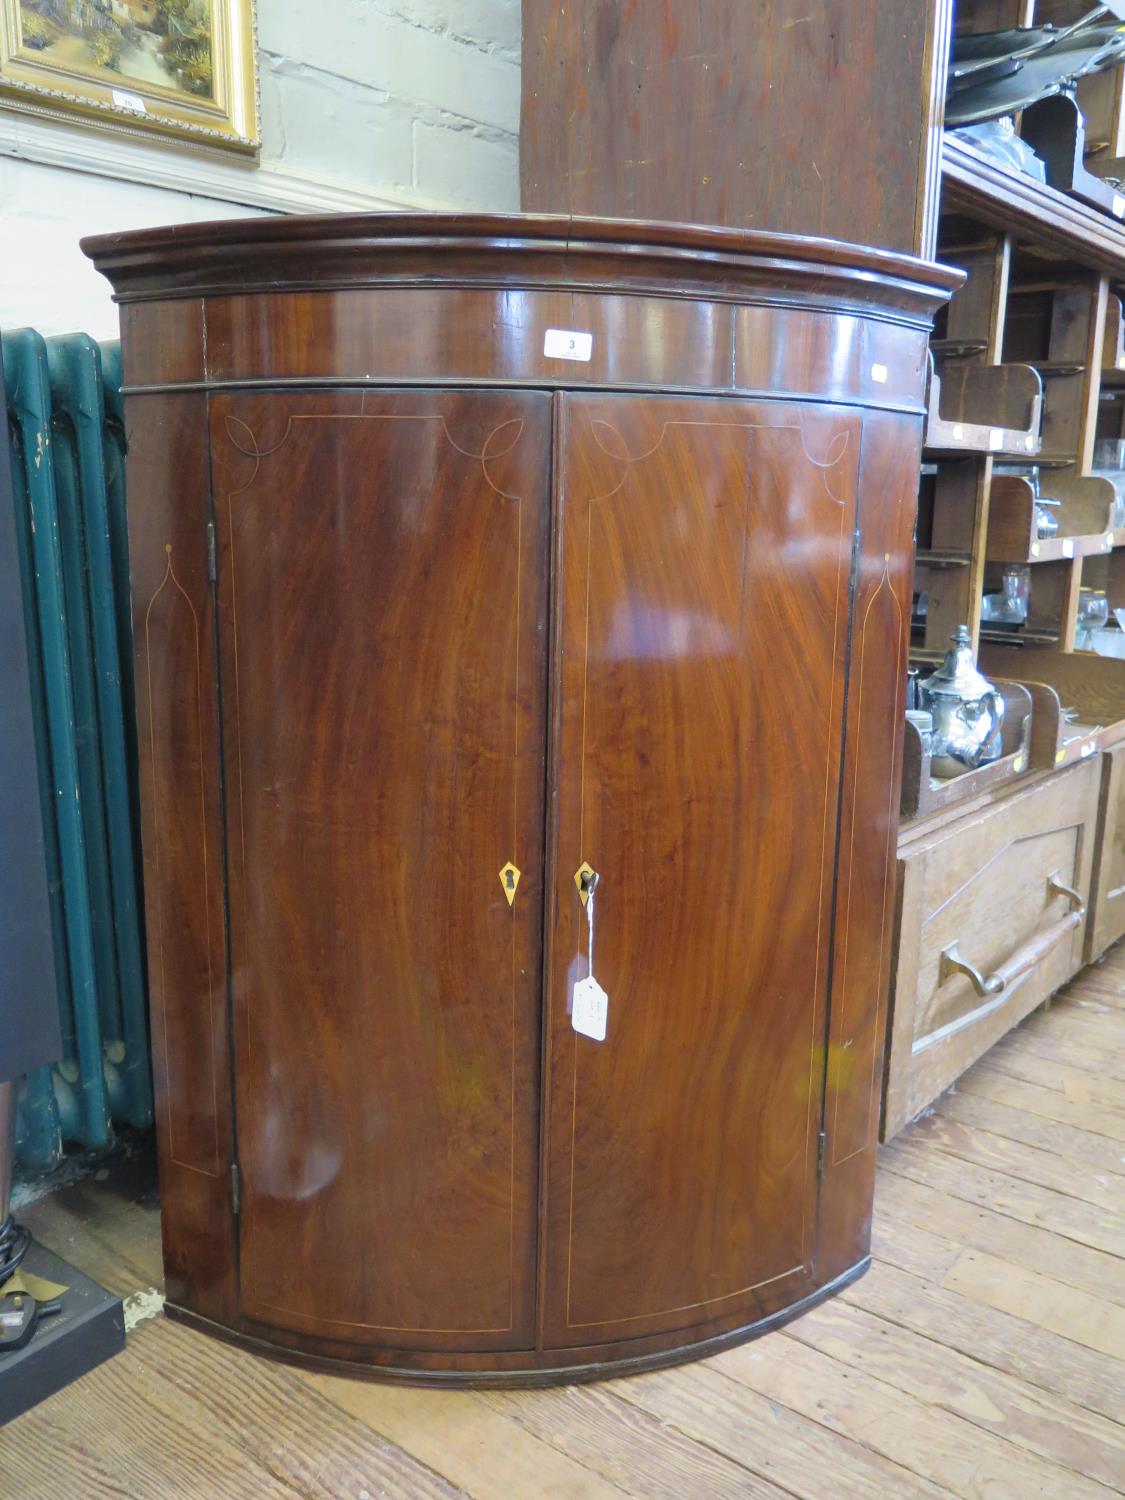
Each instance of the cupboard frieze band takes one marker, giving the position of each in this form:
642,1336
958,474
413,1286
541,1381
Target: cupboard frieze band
620,342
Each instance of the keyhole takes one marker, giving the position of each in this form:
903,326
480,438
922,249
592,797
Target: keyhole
509,880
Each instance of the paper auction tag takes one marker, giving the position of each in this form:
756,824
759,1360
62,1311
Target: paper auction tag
567,343
589,1009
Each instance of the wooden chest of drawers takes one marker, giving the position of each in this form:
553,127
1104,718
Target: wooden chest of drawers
1001,892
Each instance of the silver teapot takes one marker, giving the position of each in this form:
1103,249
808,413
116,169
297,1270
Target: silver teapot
1046,524
967,710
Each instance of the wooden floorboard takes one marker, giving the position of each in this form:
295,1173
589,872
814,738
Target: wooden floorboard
1009,1407
1022,1160
902,1236
983,1356
1016,1198
912,1432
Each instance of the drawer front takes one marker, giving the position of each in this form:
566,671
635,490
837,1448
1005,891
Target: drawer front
986,931
1107,897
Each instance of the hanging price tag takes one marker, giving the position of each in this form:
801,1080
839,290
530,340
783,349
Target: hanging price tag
589,1009
589,1003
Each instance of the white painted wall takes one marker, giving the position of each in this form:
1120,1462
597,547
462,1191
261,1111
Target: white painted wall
419,94
45,280
365,104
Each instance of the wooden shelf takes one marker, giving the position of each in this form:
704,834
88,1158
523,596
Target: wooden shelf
1055,129
1084,515
1009,201
957,348
984,409
1057,740
1064,548
1056,367
1028,316
1113,342
937,557
1020,636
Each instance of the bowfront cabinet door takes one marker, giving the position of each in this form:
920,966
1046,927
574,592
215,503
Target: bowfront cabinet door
382,603
704,558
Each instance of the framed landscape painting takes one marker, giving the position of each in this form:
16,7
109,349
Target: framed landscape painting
183,68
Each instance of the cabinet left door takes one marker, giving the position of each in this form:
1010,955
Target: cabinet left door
382,594
182,835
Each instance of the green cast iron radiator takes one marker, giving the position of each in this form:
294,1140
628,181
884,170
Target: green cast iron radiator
68,445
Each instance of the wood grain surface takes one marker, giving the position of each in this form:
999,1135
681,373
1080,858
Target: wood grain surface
698,773
394,1150
966,1363
1107,893
981,885
383,665
517,251
861,958
658,112
182,838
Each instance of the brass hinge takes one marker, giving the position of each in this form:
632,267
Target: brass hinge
235,1188
212,568
821,1153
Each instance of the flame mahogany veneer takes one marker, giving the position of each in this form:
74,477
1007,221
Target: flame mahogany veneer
414,602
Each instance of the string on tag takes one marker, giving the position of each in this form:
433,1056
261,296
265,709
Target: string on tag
590,889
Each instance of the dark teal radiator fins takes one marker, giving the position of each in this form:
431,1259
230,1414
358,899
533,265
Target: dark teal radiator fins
68,443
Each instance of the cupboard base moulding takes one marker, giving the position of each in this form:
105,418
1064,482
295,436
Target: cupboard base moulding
526,1369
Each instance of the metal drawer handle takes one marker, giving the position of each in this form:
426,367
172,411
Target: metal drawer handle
1077,905
1024,959
953,963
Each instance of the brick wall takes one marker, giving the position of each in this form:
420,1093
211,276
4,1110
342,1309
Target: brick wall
417,94
396,101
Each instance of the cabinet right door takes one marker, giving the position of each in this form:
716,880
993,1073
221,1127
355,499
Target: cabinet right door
701,632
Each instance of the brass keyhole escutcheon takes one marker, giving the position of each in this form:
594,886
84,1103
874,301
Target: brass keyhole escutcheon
510,879
583,878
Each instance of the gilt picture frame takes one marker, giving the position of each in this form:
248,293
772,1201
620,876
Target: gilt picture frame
185,70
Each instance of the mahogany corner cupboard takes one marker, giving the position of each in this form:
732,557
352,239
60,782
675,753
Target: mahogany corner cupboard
508,590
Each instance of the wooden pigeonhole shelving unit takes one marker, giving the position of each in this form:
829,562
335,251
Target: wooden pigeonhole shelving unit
1018,870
